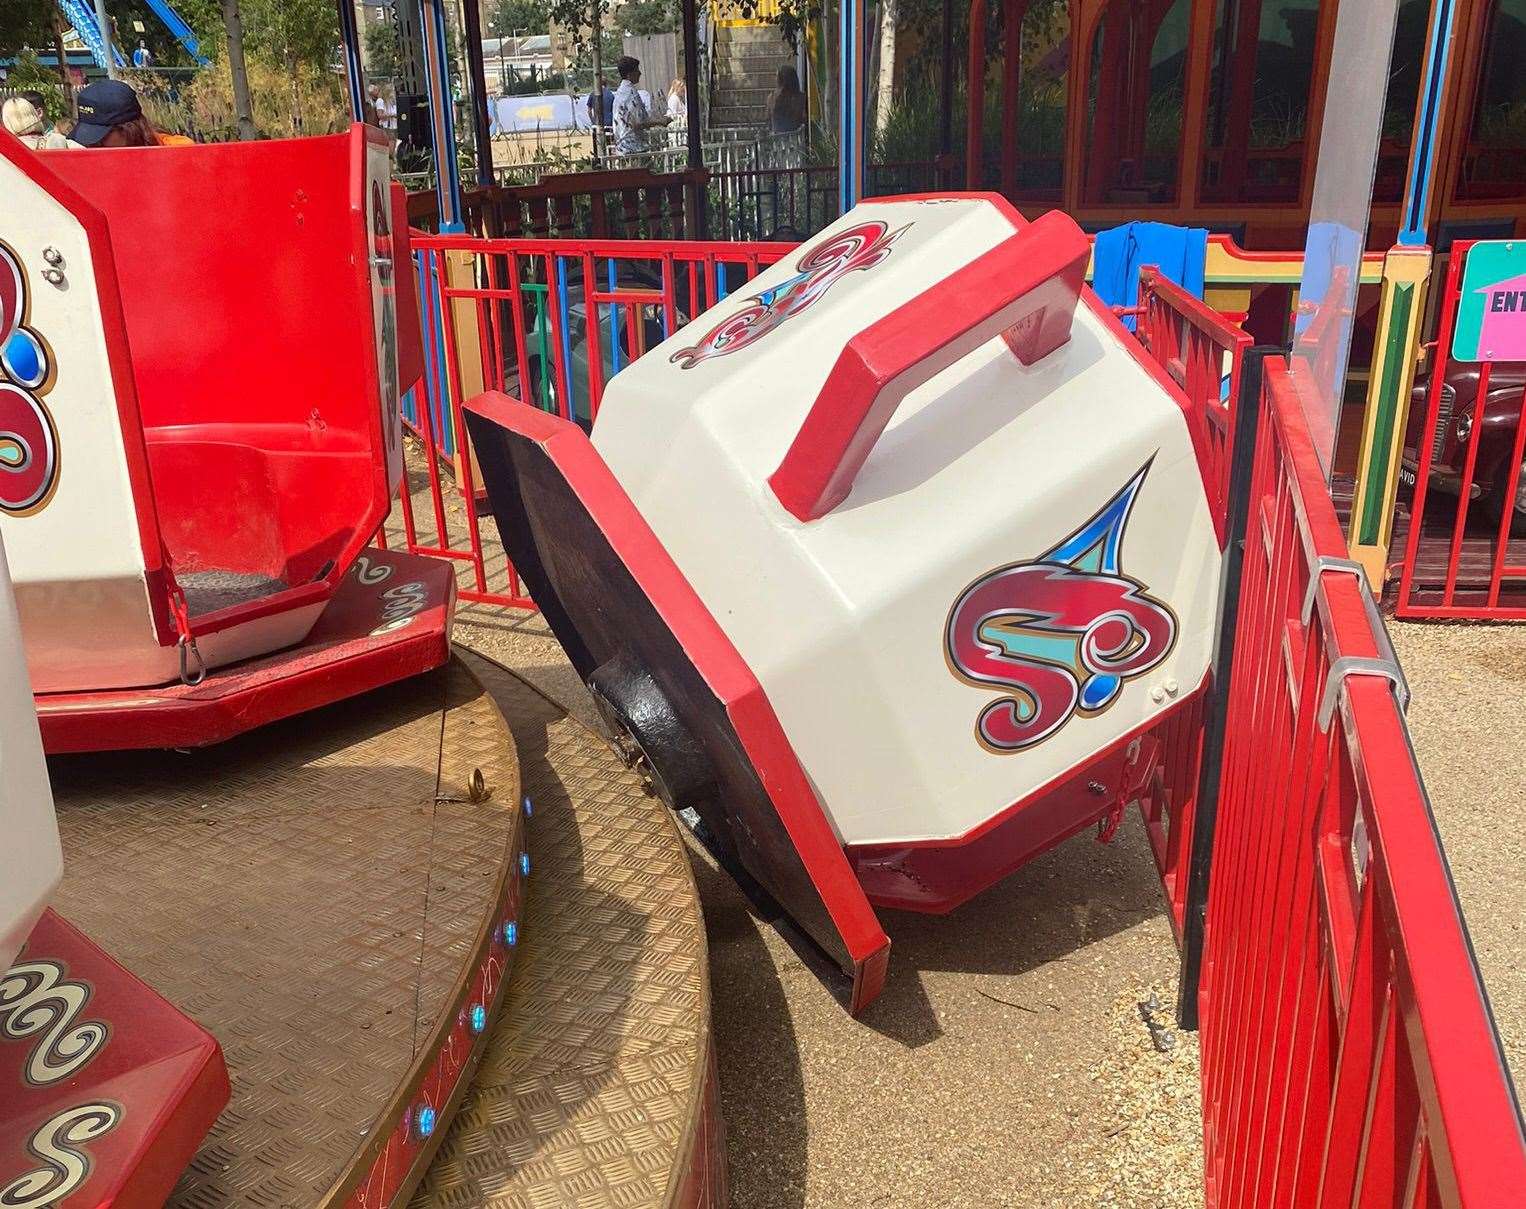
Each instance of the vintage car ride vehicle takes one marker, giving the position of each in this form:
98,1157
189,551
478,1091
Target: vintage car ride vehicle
1449,439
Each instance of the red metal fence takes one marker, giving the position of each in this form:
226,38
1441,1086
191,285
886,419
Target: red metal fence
1349,1056
1465,553
1203,353
548,321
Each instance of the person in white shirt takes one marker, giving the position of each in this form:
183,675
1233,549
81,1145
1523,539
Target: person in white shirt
632,118
678,111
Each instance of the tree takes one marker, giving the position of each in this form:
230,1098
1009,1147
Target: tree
647,16
384,57
243,106
26,25
510,18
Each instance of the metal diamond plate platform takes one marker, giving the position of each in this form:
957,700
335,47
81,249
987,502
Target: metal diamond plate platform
320,895
597,1087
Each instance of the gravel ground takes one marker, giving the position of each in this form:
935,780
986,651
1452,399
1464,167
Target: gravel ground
1469,730
1008,1062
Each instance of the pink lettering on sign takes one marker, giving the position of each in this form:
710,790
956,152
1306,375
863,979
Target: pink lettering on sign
1502,336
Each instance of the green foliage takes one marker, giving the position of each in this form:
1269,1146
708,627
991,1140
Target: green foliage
28,73
648,16
383,54
25,23
574,18
302,32
524,86
611,47
506,18
287,100
1502,125
293,32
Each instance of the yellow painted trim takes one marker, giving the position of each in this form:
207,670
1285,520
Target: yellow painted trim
1228,264
460,271
727,14
1378,461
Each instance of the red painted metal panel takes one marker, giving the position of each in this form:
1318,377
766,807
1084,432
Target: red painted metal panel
1349,1057
390,619
108,1089
1201,352
246,294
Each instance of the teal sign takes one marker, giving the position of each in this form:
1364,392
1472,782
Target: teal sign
1491,314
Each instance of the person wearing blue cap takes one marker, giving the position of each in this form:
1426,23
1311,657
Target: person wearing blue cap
111,116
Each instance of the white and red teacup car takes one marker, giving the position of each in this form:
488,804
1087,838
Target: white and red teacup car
889,567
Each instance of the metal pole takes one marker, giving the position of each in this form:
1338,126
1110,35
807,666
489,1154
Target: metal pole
1422,153
850,105
472,15
102,20
442,124
355,76
1216,714
699,192
946,86
597,91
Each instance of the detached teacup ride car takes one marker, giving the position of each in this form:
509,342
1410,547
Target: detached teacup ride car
892,570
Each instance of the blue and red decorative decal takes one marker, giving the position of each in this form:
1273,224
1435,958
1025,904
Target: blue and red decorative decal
1058,635
28,440
860,247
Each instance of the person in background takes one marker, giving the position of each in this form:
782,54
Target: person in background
386,113
678,111
603,91
142,58
786,104
632,118
111,116
24,119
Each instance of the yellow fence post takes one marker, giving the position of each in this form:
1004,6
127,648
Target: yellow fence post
460,271
1401,309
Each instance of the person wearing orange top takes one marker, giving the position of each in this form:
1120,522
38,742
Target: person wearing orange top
110,115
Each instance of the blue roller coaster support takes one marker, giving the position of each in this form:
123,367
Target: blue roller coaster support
177,26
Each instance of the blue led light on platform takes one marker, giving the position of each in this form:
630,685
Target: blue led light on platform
511,933
426,1121
479,1017
529,809
524,864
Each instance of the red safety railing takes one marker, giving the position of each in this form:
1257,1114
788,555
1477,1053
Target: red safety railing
1202,351
1349,1055
1465,553
548,321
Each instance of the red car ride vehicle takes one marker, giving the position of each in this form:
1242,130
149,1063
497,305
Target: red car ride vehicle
1460,410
